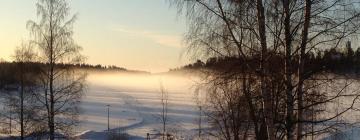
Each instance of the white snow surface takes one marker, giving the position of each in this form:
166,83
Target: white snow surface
135,105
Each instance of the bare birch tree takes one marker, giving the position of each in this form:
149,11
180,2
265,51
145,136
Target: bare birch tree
24,55
62,86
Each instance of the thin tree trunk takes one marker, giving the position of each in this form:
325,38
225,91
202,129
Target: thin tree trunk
51,82
52,102
266,95
246,85
288,73
301,68
51,88
22,102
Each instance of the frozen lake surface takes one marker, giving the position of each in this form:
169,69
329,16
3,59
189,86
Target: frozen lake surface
135,104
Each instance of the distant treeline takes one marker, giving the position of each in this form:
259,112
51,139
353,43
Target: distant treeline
10,70
334,60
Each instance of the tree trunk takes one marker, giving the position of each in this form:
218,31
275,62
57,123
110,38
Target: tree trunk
301,68
288,73
266,95
22,101
51,81
52,114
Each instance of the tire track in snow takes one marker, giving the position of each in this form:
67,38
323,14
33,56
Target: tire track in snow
131,103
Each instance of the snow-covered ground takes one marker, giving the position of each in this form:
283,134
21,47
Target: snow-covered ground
135,105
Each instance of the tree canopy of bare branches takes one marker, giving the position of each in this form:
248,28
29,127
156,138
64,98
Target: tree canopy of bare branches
61,87
273,41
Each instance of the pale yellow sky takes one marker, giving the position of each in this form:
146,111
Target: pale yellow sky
135,34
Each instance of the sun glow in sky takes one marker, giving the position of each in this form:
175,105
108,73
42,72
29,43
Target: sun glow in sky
135,34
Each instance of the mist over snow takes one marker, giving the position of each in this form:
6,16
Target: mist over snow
143,82
134,101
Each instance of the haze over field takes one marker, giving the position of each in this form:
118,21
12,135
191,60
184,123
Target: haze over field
144,82
135,105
